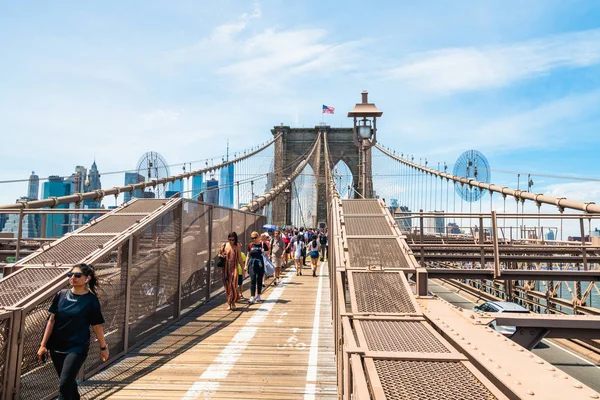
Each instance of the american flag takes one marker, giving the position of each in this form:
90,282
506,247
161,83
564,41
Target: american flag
328,110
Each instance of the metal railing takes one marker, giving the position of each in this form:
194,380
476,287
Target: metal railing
151,275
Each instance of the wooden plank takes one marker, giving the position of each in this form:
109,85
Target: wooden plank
271,364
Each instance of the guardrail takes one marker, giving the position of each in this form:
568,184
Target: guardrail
150,277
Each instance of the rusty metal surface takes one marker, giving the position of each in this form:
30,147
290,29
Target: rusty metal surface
143,206
370,206
382,292
385,253
37,380
515,368
428,380
113,224
375,225
72,250
4,344
23,283
400,336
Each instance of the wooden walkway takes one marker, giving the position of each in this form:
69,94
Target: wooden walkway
279,349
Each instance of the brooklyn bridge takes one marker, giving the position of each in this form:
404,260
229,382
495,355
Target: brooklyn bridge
398,307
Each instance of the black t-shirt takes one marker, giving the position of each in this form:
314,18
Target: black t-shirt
73,316
255,251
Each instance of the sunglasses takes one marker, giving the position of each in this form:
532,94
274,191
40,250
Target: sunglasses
75,274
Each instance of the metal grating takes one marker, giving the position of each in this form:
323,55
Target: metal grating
112,293
401,336
70,251
194,255
38,381
361,207
381,292
375,225
385,253
4,330
25,282
113,224
429,380
143,206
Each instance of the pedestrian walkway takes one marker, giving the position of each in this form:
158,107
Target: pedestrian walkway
279,349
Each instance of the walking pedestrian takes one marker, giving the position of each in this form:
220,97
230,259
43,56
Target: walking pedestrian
313,247
255,266
67,333
276,254
299,249
232,251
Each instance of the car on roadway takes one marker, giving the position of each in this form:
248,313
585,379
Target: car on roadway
501,307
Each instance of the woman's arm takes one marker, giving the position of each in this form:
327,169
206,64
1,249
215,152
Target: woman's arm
102,341
47,332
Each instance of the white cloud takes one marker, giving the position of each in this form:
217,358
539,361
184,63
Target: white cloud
249,56
472,68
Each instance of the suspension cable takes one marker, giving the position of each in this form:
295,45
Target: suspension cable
562,203
99,194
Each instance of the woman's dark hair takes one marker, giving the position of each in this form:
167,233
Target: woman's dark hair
88,271
300,237
233,236
314,241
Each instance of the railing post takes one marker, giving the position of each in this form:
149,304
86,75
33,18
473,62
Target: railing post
210,262
497,270
15,354
19,235
44,223
422,282
481,242
583,246
422,239
179,260
128,294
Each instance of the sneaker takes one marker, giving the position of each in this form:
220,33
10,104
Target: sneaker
276,281
258,299
251,301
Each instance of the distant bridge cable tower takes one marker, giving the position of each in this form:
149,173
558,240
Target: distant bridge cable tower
153,166
471,164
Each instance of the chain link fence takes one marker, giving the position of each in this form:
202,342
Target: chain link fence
153,272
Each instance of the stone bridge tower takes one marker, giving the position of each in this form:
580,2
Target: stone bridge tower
290,150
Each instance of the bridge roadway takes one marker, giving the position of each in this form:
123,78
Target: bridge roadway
576,366
281,348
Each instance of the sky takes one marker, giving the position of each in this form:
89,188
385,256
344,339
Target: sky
107,81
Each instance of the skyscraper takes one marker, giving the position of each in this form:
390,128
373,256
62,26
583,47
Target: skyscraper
226,189
77,180
56,224
30,224
91,184
34,186
131,178
211,194
197,187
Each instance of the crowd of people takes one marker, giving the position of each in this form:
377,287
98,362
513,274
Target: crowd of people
76,311
279,247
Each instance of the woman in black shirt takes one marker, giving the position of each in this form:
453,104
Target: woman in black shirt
255,265
67,333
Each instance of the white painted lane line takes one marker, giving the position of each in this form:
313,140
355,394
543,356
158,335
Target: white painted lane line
313,358
570,352
208,383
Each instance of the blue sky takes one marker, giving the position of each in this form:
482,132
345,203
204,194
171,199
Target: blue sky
519,81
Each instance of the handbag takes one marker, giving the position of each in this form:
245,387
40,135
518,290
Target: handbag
221,258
